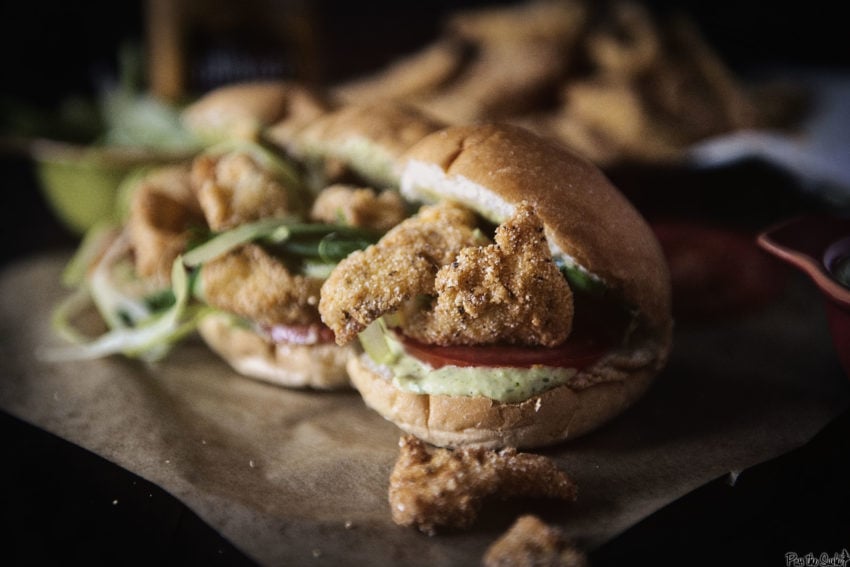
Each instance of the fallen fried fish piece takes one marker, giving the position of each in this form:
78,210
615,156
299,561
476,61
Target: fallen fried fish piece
532,543
434,488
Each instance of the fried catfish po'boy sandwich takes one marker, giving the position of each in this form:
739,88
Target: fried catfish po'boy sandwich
527,302
236,244
275,287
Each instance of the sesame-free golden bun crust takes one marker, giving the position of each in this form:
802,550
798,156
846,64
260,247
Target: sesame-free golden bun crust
244,110
554,416
492,168
370,138
584,214
320,366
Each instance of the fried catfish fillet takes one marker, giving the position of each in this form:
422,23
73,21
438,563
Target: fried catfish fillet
162,212
433,488
402,265
234,189
251,283
362,207
508,292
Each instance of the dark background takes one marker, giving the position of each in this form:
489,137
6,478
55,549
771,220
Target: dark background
52,494
50,49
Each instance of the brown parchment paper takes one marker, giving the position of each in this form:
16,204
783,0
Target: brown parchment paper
301,477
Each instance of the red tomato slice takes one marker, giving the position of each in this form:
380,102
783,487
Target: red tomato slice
574,353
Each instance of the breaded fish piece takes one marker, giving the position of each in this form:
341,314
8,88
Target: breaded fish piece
163,210
358,206
502,81
508,292
433,488
251,283
408,76
531,543
402,265
234,189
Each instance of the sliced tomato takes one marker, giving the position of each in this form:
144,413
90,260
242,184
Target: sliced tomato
574,353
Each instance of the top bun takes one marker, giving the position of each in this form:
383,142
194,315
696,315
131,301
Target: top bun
491,168
368,138
243,110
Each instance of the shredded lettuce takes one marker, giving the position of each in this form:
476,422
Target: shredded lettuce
145,323
374,342
117,307
142,120
150,338
325,243
317,269
580,279
274,230
94,242
72,306
336,246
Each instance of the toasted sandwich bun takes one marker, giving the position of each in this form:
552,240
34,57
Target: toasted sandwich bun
556,415
319,366
491,168
368,138
378,137
245,110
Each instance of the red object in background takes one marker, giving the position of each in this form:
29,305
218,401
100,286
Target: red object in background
813,244
716,271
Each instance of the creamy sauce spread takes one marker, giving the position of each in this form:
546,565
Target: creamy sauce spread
497,383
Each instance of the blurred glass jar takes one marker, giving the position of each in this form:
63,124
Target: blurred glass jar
80,183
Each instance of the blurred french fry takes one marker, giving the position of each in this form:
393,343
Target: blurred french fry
410,76
626,42
655,89
615,80
551,21
502,81
489,63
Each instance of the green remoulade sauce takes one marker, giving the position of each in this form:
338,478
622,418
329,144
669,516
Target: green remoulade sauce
503,384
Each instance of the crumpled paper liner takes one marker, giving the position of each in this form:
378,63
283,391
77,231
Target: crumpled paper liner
295,477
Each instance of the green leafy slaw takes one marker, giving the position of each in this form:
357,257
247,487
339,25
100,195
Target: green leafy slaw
144,334
147,325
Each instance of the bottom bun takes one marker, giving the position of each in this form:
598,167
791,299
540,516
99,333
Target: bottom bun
320,366
452,421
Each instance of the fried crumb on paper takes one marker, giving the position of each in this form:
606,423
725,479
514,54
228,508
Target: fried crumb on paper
532,543
433,488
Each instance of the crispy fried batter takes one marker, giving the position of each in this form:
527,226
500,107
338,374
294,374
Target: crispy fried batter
531,543
668,88
529,21
234,189
433,488
162,211
251,283
508,292
408,76
486,64
401,266
360,207
502,81
626,42
563,68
